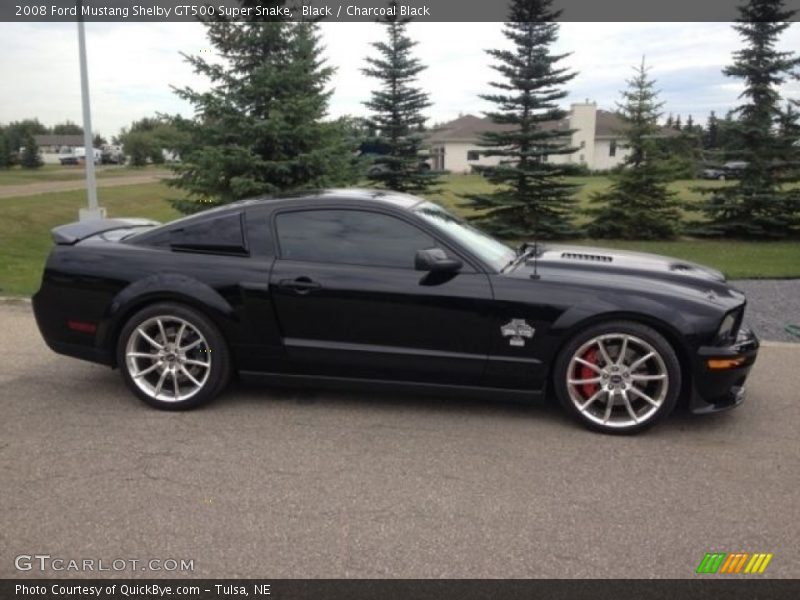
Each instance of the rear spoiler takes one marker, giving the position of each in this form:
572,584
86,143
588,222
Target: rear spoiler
80,230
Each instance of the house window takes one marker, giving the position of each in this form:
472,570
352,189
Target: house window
473,155
583,144
612,148
582,159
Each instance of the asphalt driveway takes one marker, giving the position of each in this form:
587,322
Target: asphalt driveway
273,483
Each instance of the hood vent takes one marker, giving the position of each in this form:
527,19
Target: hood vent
681,267
591,257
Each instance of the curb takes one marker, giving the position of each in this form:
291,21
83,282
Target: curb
14,300
768,344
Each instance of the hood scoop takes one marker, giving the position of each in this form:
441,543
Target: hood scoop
590,257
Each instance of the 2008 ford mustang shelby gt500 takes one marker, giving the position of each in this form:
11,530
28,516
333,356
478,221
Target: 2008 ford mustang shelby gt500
377,288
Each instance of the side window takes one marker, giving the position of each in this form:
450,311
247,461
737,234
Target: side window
350,237
221,234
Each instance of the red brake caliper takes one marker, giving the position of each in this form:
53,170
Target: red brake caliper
588,389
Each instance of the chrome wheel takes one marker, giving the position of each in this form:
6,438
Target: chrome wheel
168,358
617,380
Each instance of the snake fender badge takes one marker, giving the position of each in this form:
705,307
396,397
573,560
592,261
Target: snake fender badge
517,330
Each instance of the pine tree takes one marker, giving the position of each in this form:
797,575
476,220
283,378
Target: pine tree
711,135
259,129
397,111
638,204
678,126
758,205
30,158
532,197
789,142
5,151
689,127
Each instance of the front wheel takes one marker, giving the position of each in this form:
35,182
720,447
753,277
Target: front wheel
173,357
619,377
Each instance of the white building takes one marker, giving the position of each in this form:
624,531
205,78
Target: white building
597,139
54,147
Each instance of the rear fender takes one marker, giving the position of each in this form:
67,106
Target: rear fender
170,287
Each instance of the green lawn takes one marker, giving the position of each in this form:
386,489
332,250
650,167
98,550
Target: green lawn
25,225
19,176
456,186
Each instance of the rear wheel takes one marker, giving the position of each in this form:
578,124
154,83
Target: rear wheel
618,377
173,357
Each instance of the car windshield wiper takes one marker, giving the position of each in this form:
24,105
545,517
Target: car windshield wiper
521,254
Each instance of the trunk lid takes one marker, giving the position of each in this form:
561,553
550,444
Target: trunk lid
72,233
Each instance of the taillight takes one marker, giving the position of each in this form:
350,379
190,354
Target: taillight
82,326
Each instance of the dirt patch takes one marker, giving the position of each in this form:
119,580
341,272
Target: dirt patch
47,187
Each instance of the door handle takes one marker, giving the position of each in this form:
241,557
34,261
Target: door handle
301,285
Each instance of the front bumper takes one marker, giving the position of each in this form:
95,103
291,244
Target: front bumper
715,390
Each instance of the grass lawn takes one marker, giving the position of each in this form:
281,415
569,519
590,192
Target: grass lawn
460,185
19,176
25,225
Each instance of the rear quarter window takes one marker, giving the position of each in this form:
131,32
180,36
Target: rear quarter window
218,235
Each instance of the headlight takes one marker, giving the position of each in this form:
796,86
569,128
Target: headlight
726,328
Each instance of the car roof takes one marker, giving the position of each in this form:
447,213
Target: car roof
360,195
398,199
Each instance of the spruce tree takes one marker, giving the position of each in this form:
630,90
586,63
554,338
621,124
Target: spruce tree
711,134
532,197
5,151
638,204
30,158
260,128
758,205
789,144
397,111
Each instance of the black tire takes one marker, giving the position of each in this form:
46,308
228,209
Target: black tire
209,347
662,378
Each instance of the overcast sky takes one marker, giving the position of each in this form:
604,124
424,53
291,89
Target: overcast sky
132,65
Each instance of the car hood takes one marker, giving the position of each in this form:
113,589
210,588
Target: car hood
639,271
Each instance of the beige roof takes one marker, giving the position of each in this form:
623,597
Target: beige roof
468,128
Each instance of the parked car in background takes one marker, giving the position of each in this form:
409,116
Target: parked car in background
112,154
730,170
78,156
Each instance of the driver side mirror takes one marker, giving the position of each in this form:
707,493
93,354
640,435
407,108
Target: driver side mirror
435,260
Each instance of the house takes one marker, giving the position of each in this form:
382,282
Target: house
597,139
54,147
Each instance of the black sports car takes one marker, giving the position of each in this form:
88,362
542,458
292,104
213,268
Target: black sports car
368,287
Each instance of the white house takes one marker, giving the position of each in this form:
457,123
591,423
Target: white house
54,147
597,139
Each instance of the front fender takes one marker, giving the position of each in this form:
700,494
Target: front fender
639,308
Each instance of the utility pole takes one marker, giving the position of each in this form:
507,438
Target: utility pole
94,211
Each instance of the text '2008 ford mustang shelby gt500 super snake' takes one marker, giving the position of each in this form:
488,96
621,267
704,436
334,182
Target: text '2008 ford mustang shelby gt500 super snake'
362,287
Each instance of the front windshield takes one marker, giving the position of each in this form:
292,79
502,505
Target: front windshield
487,248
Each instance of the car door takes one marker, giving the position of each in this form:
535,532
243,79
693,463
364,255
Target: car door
349,302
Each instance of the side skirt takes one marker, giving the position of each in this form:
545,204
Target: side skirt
386,385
